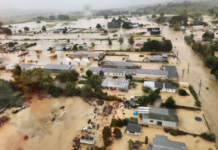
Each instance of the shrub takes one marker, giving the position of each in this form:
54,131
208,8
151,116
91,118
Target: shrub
170,103
173,132
210,137
183,92
125,121
120,123
115,77
192,91
82,82
146,89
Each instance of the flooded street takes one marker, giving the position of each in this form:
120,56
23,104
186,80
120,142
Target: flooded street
78,110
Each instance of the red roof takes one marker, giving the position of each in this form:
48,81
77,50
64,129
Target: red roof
137,44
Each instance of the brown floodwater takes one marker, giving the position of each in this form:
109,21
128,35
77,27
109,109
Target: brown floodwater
197,72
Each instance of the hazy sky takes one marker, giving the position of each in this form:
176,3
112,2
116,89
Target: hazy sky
74,5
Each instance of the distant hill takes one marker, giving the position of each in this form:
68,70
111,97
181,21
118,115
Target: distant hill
14,12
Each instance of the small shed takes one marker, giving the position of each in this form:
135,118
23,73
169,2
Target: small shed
133,128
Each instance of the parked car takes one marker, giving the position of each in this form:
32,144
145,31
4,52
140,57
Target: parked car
15,111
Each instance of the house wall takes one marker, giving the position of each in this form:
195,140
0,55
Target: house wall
136,133
87,141
164,123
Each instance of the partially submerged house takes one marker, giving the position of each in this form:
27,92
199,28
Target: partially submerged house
90,56
153,28
159,116
119,64
131,104
115,84
197,27
155,32
161,142
21,46
1,46
55,68
23,66
162,86
87,139
162,57
172,72
133,128
136,73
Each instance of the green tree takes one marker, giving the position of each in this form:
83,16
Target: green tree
106,133
75,47
93,44
170,103
120,123
69,89
43,28
98,26
89,73
105,16
210,60
86,91
153,16
177,27
125,121
146,89
94,81
120,40
19,31
214,67
101,73
117,133
130,144
26,29
131,40
109,41
68,41
16,71
65,30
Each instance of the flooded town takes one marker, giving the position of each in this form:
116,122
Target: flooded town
141,77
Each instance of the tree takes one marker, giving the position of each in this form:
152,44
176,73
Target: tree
52,17
120,40
125,121
94,81
71,76
93,44
43,29
109,41
120,123
69,89
68,41
19,31
65,30
208,34
127,25
98,26
80,47
128,76
130,144
146,89
170,103
16,71
106,135
153,16
117,133
214,67
38,21
89,73
177,27
75,47
7,31
131,40
26,29
86,91
161,14
101,73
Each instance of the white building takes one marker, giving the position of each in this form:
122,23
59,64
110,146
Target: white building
198,27
86,139
76,61
162,86
159,116
85,62
133,128
67,61
22,65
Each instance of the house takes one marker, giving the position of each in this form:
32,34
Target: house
133,120
60,47
21,46
197,27
159,116
162,57
55,68
22,65
67,61
133,128
153,28
115,84
161,142
90,56
86,139
155,32
135,25
83,46
162,86
118,64
138,45
172,72
136,73
56,31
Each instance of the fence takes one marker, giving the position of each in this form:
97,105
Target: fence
188,107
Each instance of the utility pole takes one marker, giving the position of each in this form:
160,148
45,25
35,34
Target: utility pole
188,67
200,84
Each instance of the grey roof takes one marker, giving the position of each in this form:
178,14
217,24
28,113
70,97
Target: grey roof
115,83
59,47
22,45
22,65
55,68
172,71
148,148
133,120
130,71
167,85
133,127
89,54
117,63
161,114
162,143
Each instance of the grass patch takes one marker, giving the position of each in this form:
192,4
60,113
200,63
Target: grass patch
82,82
192,91
50,25
114,31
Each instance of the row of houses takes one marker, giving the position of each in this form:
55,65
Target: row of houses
90,56
169,72
119,64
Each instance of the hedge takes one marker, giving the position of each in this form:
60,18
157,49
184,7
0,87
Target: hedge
197,102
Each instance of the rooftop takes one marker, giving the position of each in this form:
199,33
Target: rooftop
133,120
132,127
117,63
172,71
162,143
58,68
22,65
88,54
115,83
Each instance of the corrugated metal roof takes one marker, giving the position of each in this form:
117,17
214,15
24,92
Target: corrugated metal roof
58,68
172,71
115,83
22,65
133,127
117,63
162,143
88,54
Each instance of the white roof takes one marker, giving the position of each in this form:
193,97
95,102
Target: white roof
76,60
67,59
149,84
85,59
